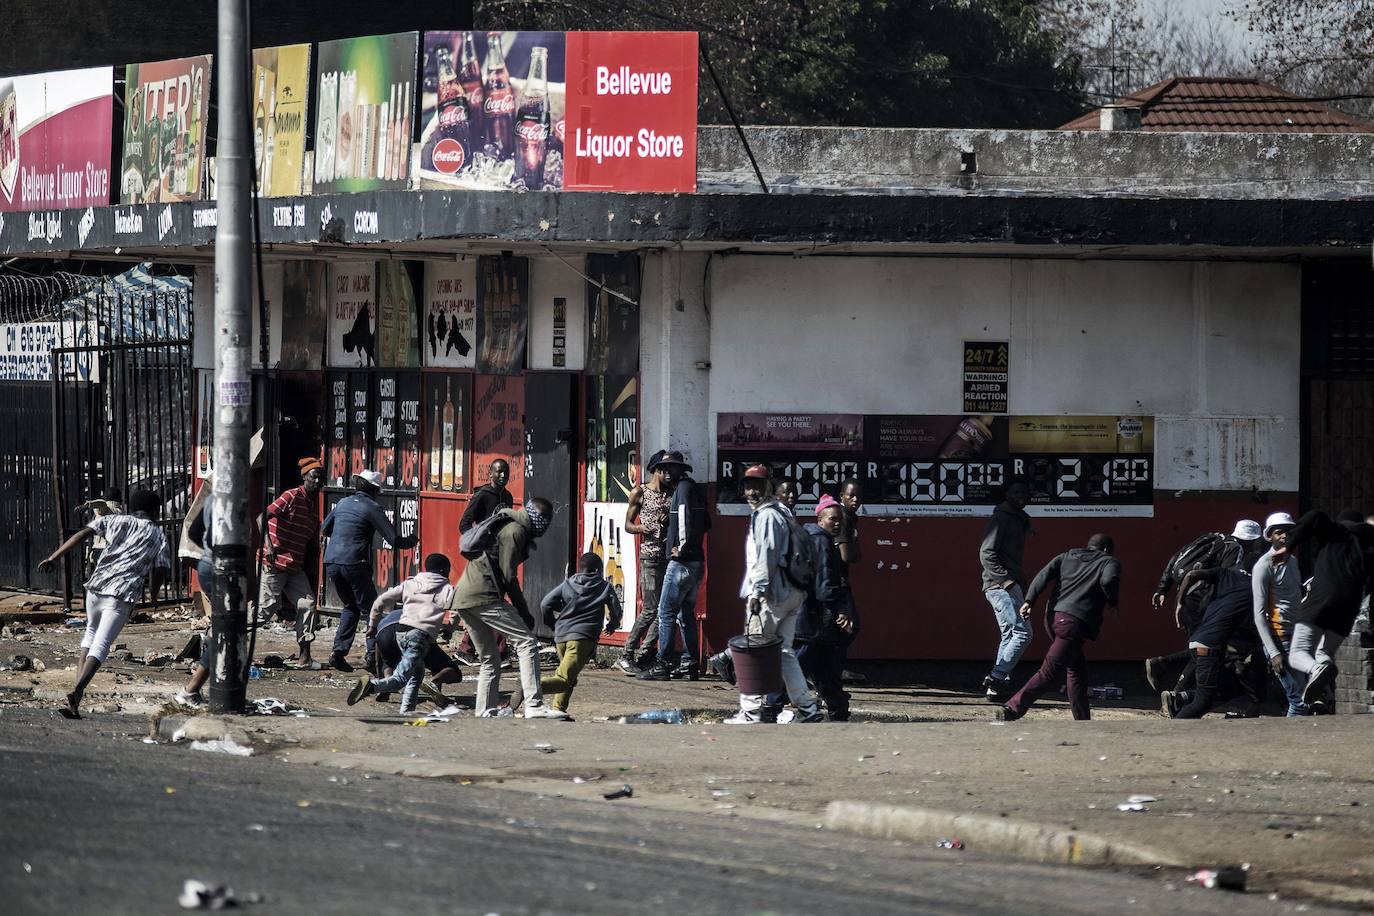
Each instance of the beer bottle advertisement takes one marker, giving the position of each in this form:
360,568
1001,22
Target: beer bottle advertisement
613,313
280,103
445,405
492,119
159,100
622,446
502,315
365,112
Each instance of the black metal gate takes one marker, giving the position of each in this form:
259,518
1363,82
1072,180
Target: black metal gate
30,528
123,399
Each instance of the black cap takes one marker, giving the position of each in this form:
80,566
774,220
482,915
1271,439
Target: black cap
662,457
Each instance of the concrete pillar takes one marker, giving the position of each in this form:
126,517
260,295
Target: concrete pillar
675,354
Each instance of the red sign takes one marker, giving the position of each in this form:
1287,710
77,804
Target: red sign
631,111
55,139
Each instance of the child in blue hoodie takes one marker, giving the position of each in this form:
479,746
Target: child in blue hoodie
576,610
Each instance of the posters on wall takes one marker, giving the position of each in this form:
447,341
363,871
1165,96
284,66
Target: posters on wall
336,438
352,301
622,446
450,325
946,465
492,111
445,403
498,428
205,422
364,105
986,376
398,344
604,534
502,291
166,117
55,139
304,311
613,313
281,94
558,308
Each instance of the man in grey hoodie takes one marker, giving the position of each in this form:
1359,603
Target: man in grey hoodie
771,599
424,598
576,611
1004,584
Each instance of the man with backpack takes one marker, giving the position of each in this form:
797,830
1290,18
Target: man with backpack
779,568
688,521
1242,547
1227,618
489,601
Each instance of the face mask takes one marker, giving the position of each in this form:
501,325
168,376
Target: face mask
538,520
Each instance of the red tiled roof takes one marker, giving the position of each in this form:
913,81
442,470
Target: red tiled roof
1209,103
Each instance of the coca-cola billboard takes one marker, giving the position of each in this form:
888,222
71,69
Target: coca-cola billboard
55,139
550,111
492,108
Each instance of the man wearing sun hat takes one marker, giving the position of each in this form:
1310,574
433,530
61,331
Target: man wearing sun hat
292,525
350,527
1276,589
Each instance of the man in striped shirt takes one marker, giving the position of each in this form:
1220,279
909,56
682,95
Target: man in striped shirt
293,524
136,548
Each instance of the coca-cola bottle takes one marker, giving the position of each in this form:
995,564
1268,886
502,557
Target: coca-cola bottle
532,123
450,147
498,103
470,75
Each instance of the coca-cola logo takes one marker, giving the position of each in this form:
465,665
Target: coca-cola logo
534,131
448,156
558,130
501,103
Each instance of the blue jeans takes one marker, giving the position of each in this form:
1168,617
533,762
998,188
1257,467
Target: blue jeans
1016,633
677,607
1292,684
357,591
414,646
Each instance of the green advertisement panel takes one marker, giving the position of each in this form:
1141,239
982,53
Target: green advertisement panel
365,111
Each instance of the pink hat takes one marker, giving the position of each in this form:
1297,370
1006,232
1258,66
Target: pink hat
825,502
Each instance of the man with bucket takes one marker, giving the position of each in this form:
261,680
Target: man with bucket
772,600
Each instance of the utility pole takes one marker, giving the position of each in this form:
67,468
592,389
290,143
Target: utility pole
233,386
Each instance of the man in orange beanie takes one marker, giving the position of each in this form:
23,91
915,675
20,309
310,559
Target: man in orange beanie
293,524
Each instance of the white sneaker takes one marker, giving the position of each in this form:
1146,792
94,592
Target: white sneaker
543,711
188,700
743,718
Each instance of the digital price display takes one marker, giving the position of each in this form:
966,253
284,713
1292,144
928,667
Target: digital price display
945,465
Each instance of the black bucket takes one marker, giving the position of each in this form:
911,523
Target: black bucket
758,663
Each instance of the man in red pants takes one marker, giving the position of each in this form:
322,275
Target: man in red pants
1085,581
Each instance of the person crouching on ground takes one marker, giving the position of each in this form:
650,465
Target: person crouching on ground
1086,581
424,598
135,548
577,612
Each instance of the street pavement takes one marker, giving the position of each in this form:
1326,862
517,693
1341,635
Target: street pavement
1289,797
95,821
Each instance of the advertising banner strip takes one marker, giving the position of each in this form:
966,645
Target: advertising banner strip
946,465
55,139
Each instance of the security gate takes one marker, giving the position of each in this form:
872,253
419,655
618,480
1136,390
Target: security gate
123,395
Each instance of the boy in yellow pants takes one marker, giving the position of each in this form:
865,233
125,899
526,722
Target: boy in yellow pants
576,611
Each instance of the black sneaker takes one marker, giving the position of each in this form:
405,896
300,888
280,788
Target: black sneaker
1322,676
722,665
998,689
1006,714
465,658
687,670
337,661
659,672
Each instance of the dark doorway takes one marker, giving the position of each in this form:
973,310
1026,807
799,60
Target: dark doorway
550,409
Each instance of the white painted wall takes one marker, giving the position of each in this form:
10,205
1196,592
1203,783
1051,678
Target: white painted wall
674,336
552,278
1210,349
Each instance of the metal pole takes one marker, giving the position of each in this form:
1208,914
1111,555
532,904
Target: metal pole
233,386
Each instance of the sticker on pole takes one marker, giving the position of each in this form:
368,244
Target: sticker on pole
235,393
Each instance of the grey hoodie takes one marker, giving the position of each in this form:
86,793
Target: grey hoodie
576,609
424,600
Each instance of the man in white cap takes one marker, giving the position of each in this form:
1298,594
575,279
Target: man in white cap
1276,587
1210,551
350,527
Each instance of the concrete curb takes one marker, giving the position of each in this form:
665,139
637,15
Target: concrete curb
996,835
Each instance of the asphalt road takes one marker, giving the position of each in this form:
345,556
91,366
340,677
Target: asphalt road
95,821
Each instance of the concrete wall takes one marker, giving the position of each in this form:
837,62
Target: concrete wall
1210,349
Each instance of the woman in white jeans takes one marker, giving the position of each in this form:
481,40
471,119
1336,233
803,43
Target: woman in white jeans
136,548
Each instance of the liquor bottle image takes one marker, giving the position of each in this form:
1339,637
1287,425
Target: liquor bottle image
195,142
970,438
1130,435
260,122
436,448
612,566
597,547
618,576
269,146
448,425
